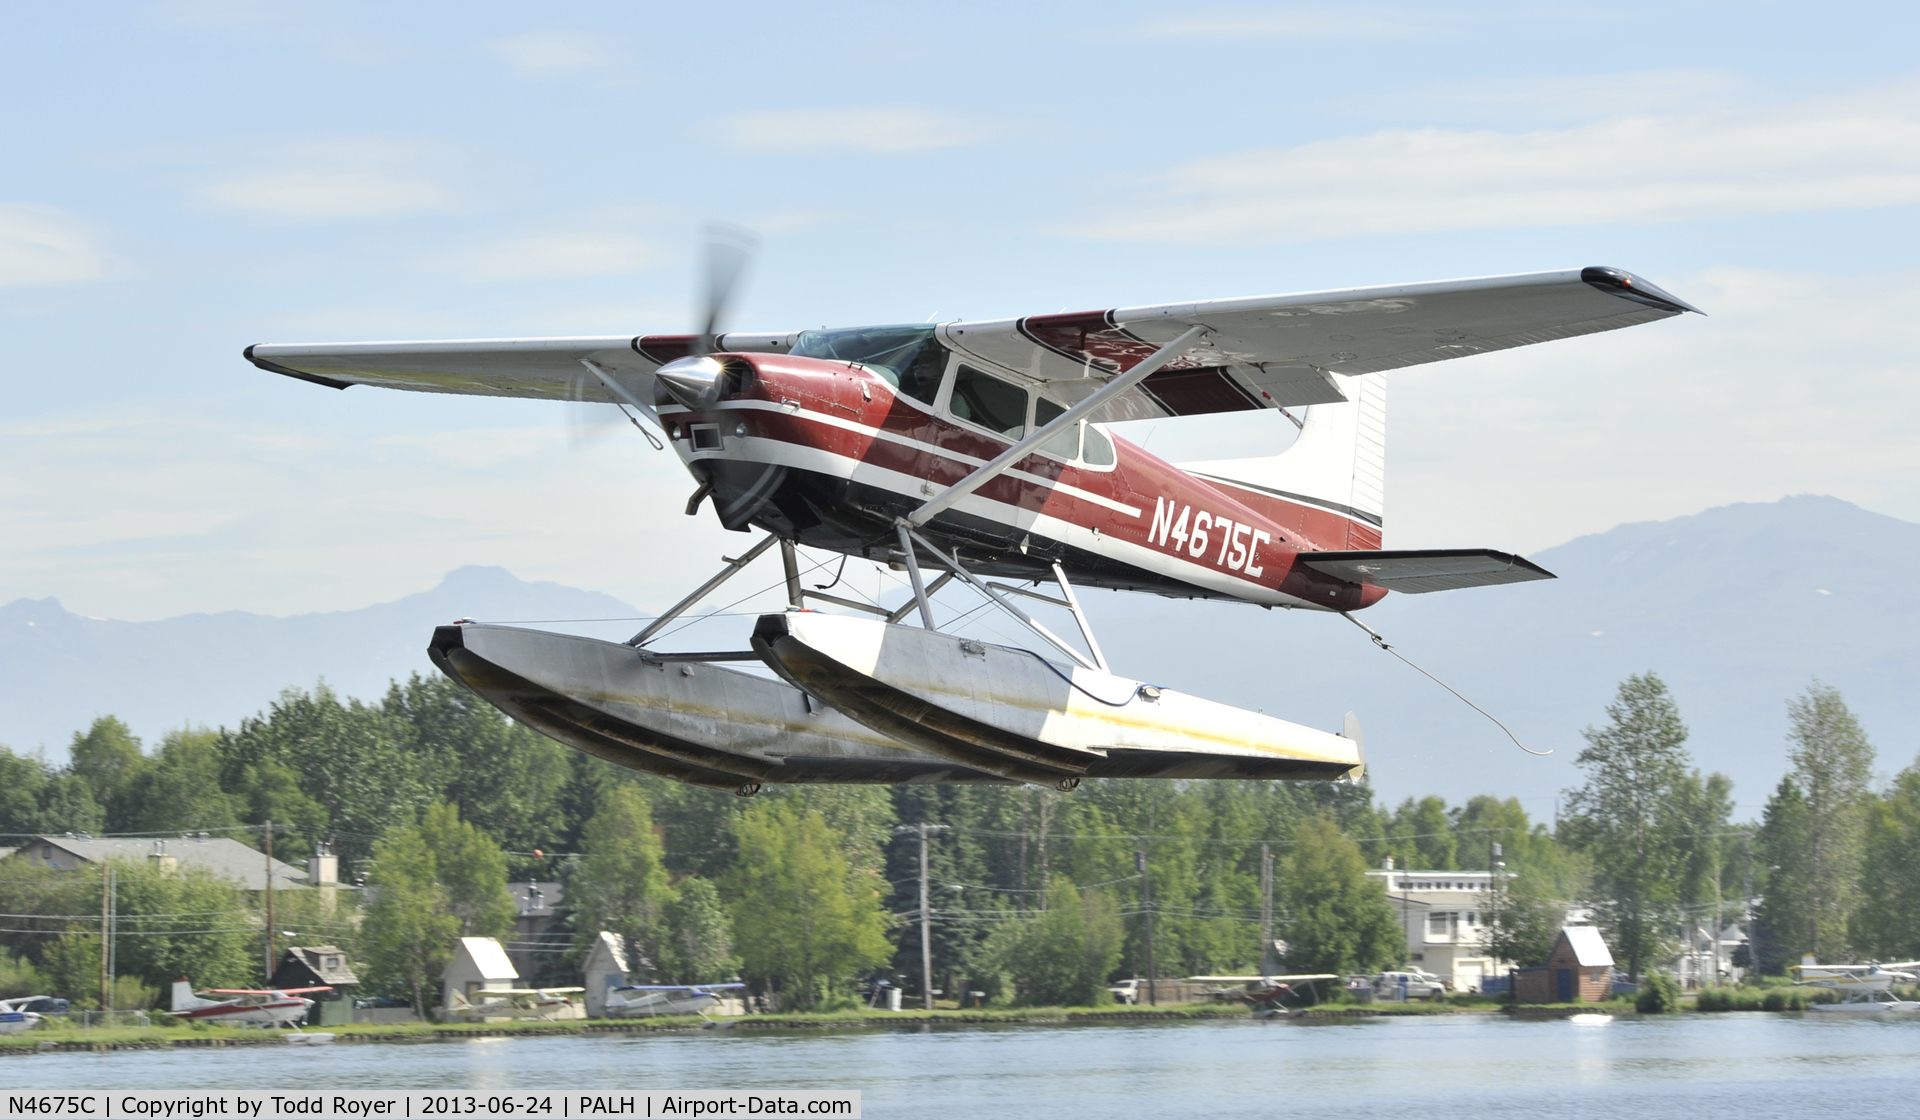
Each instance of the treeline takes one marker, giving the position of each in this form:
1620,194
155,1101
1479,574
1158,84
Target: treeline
437,802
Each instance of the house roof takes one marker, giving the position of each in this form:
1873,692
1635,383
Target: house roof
226,858
489,959
1588,949
315,957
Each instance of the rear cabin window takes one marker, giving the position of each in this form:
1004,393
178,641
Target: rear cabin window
1065,444
1098,449
985,400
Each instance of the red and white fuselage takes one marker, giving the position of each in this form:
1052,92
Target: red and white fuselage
830,454
261,1007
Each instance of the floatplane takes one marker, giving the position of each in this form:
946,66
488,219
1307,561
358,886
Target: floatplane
977,455
254,1007
1864,988
636,1000
518,1003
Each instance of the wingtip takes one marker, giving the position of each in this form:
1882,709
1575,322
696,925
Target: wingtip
1620,282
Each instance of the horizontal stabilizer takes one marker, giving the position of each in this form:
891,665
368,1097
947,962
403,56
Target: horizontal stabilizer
1428,569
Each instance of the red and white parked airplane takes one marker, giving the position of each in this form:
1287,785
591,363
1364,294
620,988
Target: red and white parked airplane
980,450
261,1007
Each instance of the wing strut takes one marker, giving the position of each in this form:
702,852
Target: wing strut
1020,450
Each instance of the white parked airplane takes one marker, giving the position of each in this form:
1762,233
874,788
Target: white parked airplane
519,1003
13,1020
635,1000
1866,988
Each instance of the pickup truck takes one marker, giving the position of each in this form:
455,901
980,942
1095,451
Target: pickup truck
1415,984
1128,991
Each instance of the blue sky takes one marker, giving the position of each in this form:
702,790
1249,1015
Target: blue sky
183,179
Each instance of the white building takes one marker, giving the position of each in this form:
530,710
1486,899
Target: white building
1444,916
606,969
479,964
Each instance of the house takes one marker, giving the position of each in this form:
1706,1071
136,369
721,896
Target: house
606,969
479,964
1579,970
1446,917
1443,914
229,859
314,966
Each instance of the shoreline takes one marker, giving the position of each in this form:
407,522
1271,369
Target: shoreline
107,1039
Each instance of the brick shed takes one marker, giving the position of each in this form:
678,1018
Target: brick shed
1579,970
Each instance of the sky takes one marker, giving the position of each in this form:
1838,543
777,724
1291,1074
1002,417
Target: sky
182,179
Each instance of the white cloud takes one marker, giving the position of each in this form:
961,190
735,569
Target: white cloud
1836,153
42,245
868,130
336,179
1322,22
548,52
560,255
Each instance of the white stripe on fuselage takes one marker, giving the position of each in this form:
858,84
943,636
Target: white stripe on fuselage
925,448
806,457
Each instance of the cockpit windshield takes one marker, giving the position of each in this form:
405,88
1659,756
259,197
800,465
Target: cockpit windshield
909,357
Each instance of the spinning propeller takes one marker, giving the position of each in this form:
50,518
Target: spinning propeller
695,380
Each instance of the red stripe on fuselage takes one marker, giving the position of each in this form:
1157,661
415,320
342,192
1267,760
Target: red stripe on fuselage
1139,480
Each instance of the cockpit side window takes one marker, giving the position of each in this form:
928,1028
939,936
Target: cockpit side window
989,402
909,357
1099,448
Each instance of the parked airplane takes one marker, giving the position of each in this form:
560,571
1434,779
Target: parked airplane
1864,987
978,450
519,1003
264,1007
14,1018
635,1000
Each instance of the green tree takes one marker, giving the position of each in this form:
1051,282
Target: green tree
804,921
504,777
1523,922
1627,817
1422,835
1338,920
472,871
621,883
1887,923
698,945
36,800
1064,955
409,931
1817,863
433,881
178,790
106,757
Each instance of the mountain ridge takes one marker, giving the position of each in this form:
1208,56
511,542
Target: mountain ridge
1737,607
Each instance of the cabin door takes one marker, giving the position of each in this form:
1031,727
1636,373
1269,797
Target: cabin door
1564,978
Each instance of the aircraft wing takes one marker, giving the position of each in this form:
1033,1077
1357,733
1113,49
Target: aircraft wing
547,368
1279,351
1431,569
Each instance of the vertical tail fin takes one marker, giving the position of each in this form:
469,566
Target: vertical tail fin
1331,484
183,997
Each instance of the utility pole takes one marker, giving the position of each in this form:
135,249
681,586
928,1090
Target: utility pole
106,887
1266,905
926,928
1146,904
923,830
269,902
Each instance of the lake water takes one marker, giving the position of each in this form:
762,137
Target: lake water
1436,1068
